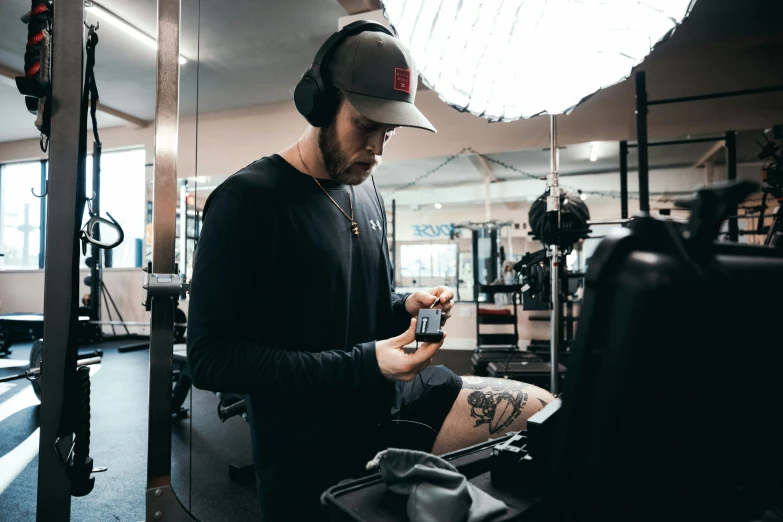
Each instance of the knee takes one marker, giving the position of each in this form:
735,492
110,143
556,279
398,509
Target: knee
539,397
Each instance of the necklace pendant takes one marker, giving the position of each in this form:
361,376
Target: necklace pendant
354,228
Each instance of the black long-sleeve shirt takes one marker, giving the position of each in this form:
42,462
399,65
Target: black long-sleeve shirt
285,306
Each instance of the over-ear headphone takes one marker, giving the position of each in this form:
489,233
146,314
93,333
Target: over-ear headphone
314,95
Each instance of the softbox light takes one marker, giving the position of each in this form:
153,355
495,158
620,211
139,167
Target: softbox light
511,59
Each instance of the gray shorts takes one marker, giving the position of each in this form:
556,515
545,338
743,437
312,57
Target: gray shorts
422,406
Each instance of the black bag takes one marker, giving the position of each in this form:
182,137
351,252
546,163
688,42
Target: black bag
661,419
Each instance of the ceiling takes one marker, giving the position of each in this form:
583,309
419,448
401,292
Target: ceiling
249,53
574,160
252,52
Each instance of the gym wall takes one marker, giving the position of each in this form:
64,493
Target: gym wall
23,291
229,140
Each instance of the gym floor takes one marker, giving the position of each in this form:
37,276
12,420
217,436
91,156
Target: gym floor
119,442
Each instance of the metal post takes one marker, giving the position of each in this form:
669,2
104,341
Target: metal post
510,243
42,225
54,487
162,503
394,242
183,229
456,274
624,179
641,139
475,256
494,256
553,209
95,271
731,168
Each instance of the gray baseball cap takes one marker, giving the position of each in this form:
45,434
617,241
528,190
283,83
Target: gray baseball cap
377,75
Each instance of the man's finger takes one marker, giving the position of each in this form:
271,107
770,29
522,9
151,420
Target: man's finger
408,336
426,351
443,292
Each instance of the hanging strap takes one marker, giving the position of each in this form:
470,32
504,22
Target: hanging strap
75,416
90,88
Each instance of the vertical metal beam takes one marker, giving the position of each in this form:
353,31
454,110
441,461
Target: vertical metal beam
494,255
54,487
42,225
641,140
95,271
553,209
394,242
163,222
456,274
624,179
474,234
162,503
731,168
2,210
183,229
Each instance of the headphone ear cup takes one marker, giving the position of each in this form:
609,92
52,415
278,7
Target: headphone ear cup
326,107
306,97
315,99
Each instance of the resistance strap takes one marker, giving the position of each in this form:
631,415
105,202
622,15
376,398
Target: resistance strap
75,415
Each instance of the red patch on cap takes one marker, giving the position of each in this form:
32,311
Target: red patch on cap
402,80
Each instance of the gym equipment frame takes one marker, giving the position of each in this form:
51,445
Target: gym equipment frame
54,486
163,287
642,106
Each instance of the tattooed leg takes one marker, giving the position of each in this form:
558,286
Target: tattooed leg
488,408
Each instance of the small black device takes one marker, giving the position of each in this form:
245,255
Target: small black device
428,325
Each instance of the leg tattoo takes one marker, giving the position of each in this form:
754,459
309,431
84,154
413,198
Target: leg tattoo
498,409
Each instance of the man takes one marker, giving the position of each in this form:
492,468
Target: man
292,287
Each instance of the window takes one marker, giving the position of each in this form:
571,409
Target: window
20,216
420,261
122,196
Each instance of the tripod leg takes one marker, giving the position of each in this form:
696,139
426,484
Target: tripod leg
108,310
115,307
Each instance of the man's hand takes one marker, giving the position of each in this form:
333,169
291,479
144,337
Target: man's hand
395,364
420,300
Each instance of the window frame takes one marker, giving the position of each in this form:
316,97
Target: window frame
41,191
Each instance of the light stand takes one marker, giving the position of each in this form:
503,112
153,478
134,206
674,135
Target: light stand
553,211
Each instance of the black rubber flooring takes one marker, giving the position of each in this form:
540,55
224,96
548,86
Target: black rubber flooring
119,442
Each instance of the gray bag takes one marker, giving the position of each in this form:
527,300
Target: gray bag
436,491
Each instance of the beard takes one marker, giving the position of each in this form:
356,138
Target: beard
337,162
